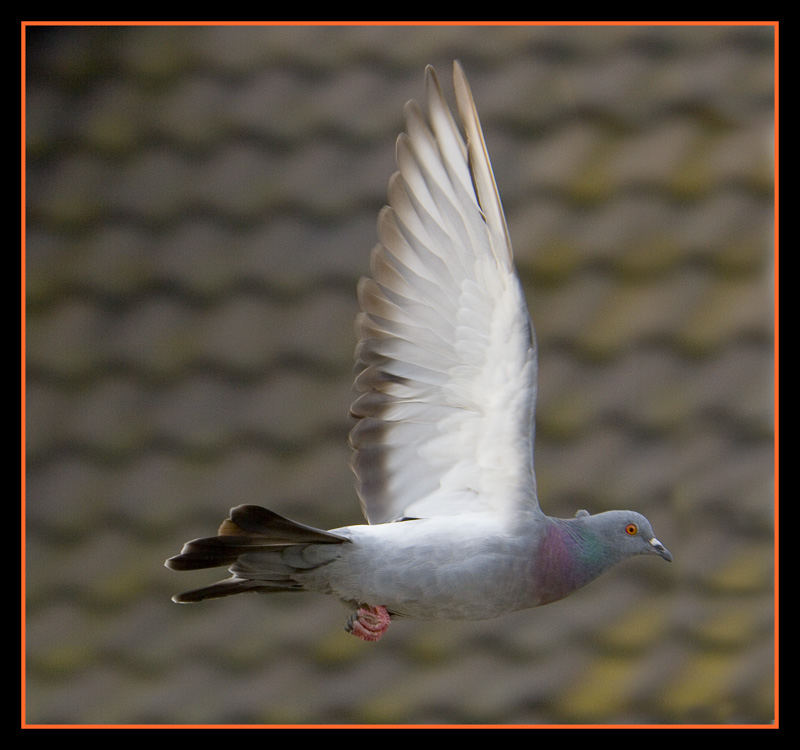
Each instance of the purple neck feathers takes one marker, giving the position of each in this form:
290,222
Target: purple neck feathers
570,556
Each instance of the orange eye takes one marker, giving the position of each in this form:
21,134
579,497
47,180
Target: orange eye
631,529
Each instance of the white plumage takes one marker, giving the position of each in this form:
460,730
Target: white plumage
446,345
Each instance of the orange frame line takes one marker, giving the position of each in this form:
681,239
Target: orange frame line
420,22
512,727
776,360
22,377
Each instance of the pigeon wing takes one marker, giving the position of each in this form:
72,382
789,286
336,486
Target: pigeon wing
446,359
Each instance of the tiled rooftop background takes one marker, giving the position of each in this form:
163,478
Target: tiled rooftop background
200,204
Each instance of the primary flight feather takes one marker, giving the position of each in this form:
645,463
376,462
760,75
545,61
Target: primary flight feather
443,443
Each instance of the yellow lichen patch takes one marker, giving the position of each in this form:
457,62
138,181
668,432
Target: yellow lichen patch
604,690
635,630
703,691
746,573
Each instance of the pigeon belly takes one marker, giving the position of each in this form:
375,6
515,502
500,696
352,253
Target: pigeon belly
468,567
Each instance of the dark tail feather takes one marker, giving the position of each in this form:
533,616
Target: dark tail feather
229,587
254,519
249,529
213,552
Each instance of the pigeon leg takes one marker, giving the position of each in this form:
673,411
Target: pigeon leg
368,623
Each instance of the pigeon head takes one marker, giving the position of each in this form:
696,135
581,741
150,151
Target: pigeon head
577,550
619,534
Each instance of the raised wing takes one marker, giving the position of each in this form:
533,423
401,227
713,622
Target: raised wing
446,359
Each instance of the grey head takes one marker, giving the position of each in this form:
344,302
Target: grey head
620,534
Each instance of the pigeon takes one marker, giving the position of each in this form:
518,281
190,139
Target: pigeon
442,445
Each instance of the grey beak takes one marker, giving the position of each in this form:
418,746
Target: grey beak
661,550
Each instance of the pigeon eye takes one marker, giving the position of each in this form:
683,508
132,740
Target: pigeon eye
631,529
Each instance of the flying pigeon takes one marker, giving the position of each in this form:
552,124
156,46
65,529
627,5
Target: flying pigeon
444,406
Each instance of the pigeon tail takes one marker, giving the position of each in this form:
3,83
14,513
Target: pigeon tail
249,529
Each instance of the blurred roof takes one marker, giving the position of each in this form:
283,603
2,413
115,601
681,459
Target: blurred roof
200,204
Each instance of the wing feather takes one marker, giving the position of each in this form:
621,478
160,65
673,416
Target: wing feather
446,362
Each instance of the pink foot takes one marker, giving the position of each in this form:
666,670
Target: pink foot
368,623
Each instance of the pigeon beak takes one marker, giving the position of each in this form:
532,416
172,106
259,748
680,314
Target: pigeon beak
661,550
